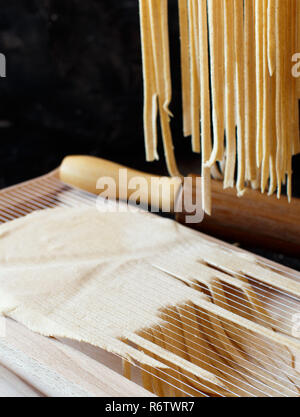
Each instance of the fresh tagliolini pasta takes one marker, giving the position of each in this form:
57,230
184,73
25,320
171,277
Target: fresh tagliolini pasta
239,94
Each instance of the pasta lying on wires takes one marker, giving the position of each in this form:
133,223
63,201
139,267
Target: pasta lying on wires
236,66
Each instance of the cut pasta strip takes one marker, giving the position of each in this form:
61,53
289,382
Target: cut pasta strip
150,95
250,99
266,102
216,36
154,16
205,107
284,87
279,59
229,96
239,51
194,68
273,183
185,67
259,79
271,37
166,56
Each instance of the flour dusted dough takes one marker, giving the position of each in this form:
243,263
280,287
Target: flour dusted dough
68,259
81,274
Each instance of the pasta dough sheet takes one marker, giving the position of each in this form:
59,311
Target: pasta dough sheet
99,278
78,273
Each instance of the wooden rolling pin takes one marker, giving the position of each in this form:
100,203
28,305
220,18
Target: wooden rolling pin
254,219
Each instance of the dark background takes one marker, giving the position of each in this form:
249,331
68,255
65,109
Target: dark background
74,85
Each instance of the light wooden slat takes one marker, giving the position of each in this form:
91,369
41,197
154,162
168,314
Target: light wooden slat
12,386
55,369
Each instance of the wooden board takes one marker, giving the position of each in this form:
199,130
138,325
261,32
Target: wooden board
33,365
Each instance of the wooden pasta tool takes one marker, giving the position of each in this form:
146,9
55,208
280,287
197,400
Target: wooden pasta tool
254,219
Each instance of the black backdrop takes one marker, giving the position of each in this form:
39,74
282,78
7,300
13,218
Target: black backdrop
74,85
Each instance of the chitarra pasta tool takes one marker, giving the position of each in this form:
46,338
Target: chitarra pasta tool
210,319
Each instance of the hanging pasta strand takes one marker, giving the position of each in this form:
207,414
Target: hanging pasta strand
266,115
271,37
166,56
194,69
205,106
284,87
216,36
239,48
158,19
295,33
279,60
291,86
150,94
250,98
259,79
195,23
272,136
229,96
